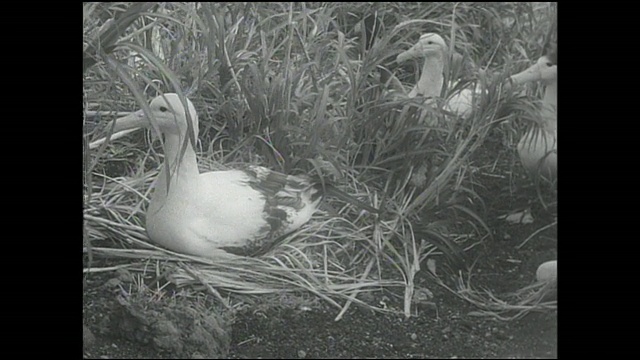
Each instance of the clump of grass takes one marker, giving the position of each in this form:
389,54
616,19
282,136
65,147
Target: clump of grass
539,296
294,88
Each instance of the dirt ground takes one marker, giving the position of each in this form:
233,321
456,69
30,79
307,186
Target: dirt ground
442,329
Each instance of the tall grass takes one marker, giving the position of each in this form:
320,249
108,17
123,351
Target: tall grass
302,88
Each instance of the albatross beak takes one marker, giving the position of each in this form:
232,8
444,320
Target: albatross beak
409,54
123,126
134,120
416,51
530,74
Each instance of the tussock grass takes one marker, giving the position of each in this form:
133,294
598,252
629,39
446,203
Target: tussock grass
303,88
539,296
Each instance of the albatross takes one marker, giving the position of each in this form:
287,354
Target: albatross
236,211
432,48
538,147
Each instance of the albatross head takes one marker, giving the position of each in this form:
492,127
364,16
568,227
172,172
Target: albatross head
430,44
544,70
167,113
431,47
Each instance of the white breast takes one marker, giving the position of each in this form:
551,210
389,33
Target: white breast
538,152
219,210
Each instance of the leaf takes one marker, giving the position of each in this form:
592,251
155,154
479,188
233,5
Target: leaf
431,265
521,217
107,40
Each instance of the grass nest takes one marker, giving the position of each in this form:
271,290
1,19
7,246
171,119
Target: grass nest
301,102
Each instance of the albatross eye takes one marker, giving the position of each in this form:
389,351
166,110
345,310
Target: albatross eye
163,109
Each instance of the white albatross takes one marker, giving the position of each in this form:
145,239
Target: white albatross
538,147
432,48
203,214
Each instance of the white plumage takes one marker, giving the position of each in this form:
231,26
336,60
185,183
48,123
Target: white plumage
237,211
538,147
433,49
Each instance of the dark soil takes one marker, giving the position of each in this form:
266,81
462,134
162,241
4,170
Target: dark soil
441,328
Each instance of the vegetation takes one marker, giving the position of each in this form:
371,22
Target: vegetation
303,88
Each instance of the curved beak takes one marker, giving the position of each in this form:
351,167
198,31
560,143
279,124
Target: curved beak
123,126
528,75
406,55
134,120
417,50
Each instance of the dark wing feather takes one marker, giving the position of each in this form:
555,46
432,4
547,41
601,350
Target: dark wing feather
279,191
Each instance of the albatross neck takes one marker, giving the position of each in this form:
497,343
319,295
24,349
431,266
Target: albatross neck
183,170
432,78
550,102
551,94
